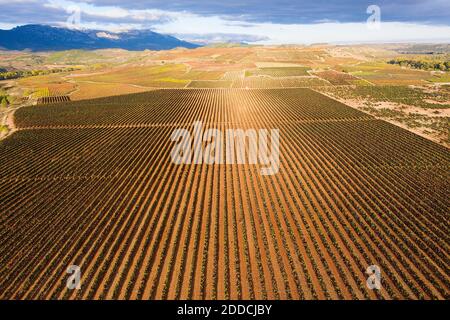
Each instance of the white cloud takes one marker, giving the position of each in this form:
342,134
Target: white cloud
5,2
185,24
310,33
7,26
107,12
113,12
107,35
111,27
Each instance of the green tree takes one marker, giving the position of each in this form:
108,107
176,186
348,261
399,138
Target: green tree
4,102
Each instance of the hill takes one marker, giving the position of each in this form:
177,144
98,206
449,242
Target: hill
47,38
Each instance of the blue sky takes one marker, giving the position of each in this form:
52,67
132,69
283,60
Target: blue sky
255,21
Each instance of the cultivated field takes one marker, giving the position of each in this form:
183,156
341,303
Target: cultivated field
91,183
382,80
279,72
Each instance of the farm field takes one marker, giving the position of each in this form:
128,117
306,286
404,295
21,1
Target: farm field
205,84
361,76
279,72
336,78
91,183
422,110
92,90
52,99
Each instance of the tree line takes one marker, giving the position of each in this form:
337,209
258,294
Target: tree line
422,64
30,73
5,100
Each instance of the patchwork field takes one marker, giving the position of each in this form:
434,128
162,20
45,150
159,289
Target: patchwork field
279,72
391,82
91,183
90,90
205,84
336,78
423,110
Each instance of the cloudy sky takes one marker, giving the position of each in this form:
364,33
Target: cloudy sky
254,21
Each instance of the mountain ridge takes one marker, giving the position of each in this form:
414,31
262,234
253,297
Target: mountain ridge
37,37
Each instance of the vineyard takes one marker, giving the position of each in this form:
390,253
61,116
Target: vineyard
88,90
337,78
53,99
279,72
91,183
205,84
53,93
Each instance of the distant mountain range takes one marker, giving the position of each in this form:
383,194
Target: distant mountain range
47,38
